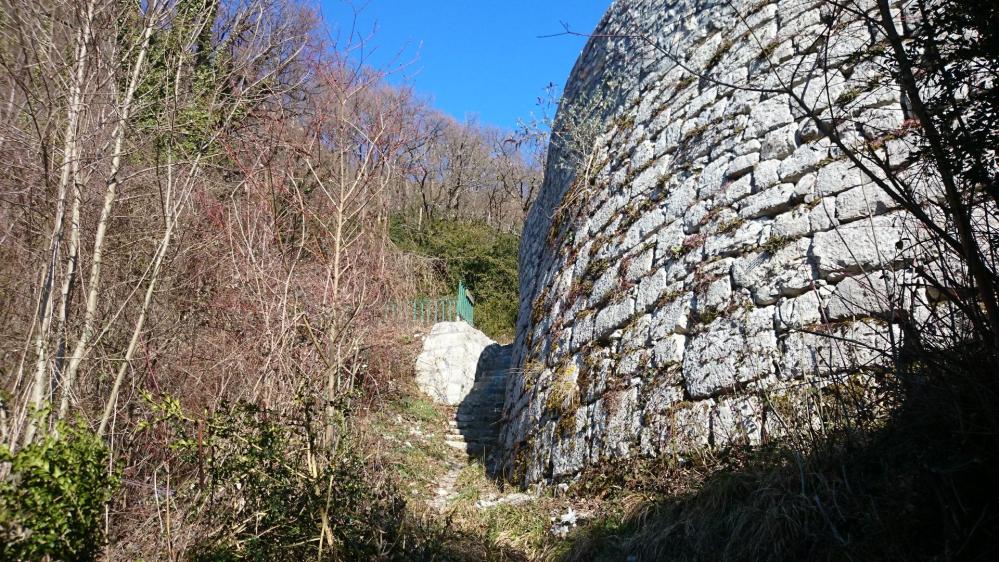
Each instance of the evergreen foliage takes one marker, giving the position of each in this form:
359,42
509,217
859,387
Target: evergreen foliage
52,502
485,258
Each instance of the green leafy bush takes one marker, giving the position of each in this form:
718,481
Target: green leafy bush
52,502
485,258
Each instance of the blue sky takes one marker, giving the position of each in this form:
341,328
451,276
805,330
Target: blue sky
472,57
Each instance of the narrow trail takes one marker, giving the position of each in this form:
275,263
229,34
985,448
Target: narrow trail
446,491
473,429
462,487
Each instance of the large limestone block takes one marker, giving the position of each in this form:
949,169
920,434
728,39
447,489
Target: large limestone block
858,346
445,369
865,245
729,351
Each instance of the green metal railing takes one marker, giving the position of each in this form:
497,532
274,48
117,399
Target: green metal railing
439,309
465,306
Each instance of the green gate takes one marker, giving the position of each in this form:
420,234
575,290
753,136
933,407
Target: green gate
430,311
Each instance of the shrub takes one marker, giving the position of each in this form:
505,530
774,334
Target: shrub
52,502
276,487
485,258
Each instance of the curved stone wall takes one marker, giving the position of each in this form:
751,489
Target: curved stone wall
705,242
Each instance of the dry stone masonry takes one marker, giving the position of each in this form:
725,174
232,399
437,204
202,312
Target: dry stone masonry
698,240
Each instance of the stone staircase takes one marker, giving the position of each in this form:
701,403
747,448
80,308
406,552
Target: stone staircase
475,426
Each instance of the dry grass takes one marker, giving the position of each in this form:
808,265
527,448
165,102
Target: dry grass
522,528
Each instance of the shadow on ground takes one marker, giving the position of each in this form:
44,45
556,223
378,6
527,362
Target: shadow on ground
477,419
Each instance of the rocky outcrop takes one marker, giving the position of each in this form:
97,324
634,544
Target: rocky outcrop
446,367
699,244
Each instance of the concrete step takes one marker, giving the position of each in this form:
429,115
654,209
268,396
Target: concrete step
481,402
473,407
456,441
474,423
491,391
484,410
482,415
484,436
476,430
478,421
478,436
454,425
484,399
497,394
486,425
490,383
488,386
473,449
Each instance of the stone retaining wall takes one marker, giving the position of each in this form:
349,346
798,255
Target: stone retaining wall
708,246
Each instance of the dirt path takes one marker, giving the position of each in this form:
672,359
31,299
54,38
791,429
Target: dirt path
446,492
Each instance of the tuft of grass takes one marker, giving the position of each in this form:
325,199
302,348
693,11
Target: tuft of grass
724,47
848,96
684,83
730,225
563,397
775,243
421,409
694,133
624,122
768,50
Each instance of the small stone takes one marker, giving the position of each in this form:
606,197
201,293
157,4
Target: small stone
780,143
717,295
865,295
669,350
822,216
673,317
863,201
837,177
765,175
799,312
738,421
742,165
737,190
613,317
770,202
